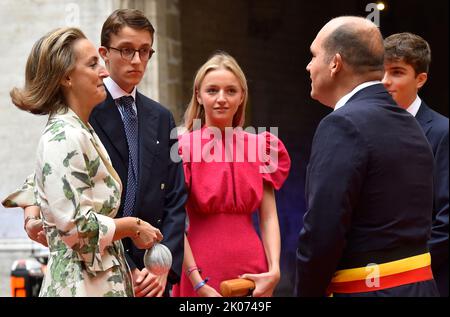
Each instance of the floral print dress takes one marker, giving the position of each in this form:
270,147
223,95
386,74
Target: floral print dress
78,192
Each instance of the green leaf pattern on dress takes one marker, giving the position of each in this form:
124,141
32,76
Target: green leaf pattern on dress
68,191
78,195
59,137
22,197
68,157
8,203
47,170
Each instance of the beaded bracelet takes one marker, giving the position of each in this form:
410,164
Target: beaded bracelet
192,269
201,284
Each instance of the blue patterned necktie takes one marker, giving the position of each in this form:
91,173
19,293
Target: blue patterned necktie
131,132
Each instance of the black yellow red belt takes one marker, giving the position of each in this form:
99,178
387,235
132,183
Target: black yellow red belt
381,276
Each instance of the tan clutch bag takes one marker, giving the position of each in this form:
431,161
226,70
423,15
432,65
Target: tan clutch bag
239,287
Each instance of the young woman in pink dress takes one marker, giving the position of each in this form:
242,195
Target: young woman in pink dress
230,174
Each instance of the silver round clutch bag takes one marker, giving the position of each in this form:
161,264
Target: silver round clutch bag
158,259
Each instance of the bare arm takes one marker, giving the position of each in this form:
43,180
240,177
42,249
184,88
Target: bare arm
125,227
143,234
270,229
270,234
33,225
194,275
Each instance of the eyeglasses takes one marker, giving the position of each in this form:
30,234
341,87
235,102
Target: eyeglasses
128,53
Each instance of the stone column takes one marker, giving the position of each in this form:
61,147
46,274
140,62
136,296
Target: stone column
162,81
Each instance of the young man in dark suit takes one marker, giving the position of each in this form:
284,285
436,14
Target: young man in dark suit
407,60
135,131
369,180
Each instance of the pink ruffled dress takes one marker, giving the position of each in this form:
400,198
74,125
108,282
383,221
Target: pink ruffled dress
225,185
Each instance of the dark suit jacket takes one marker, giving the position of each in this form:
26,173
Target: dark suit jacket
435,127
161,189
368,187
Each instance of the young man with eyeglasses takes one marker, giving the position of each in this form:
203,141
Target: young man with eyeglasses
153,185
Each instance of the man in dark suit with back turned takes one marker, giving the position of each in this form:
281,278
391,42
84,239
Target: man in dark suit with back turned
406,62
135,131
369,179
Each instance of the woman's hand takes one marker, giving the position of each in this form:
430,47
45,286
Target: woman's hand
265,283
36,232
208,291
146,235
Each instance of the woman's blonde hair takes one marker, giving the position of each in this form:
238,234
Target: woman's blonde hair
51,58
219,60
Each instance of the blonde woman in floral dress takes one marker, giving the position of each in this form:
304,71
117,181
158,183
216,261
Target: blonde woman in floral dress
74,183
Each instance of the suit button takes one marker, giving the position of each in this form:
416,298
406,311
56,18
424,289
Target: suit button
158,221
162,186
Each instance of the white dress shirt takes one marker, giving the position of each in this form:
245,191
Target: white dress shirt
117,92
414,107
347,97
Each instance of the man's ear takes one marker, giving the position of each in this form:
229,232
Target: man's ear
421,79
103,51
335,64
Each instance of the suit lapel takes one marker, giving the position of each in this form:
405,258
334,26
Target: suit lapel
424,118
110,121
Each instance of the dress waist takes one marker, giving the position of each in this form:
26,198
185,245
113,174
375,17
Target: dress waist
227,221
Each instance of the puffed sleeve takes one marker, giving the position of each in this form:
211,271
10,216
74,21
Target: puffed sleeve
184,150
22,197
275,162
64,177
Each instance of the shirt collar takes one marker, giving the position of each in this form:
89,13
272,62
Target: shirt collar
115,91
347,97
414,107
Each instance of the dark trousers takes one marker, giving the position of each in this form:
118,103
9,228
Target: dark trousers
442,280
